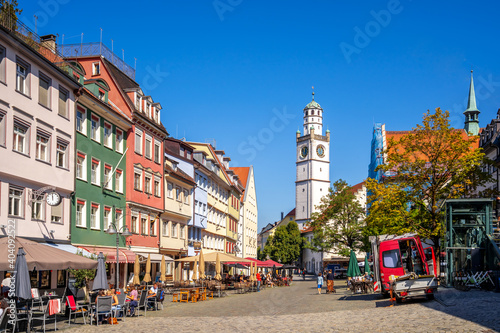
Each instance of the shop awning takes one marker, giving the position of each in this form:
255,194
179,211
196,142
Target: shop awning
69,248
40,257
125,256
155,257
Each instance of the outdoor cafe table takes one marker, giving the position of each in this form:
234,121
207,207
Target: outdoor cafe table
191,291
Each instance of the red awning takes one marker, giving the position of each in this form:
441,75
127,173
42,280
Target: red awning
259,263
125,256
272,263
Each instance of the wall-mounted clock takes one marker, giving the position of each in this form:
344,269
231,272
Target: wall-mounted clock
53,198
304,151
320,150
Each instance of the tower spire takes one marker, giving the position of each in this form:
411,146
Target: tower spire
471,125
471,104
313,92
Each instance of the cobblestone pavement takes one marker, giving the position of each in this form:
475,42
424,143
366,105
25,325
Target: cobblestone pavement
299,308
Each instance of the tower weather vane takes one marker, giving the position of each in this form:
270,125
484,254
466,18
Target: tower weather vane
313,92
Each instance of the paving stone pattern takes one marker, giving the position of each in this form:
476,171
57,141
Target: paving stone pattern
300,309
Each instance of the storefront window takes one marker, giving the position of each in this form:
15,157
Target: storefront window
61,279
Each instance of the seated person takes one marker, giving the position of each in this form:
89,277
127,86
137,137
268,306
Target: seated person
132,299
115,305
152,295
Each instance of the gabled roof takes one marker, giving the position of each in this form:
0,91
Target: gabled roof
242,173
291,213
122,80
357,187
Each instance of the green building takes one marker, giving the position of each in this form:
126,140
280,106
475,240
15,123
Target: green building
99,199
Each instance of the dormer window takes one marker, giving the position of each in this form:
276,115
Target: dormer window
102,95
148,109
137,101
157,115
96,68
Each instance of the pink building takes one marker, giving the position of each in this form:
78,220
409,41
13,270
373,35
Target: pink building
37,138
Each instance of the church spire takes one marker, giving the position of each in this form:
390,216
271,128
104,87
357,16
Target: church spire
313,92
471,125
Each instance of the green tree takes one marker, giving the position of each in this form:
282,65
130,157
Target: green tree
338,225
261,254
285,245
9,12
430,164
84,276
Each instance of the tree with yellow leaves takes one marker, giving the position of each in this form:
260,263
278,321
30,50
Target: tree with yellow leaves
430,164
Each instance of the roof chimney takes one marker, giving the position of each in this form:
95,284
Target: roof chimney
49,42
282,215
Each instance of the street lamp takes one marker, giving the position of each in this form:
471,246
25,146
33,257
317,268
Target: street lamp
125,232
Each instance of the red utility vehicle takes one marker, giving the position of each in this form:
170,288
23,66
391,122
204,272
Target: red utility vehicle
400,264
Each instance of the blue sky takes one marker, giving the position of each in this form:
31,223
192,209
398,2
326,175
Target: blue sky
241,71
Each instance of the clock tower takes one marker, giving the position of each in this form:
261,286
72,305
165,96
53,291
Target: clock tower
313,163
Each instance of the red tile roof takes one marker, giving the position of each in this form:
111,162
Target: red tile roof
242,173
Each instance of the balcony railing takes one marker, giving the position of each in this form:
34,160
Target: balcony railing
97,49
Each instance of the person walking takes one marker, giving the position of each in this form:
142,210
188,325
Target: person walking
320,283
304,274
329,282
259,279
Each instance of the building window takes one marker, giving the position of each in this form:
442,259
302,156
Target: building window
37,208
63,102
152,227
182,233
95,172
137,179
22,84
169,190
157,115
157,186
118,181
43,91
164,231
2,128
95,127
96,68
178,193
157,152
147,183
61,156
101,95
133,224
138,102
108,182
174,230
81,166
42,147
2,64
138,141
186,196
119,141
81,117
94,216
107,217
80,213
119,218
107,135
148,147
144,227
56,213
21,138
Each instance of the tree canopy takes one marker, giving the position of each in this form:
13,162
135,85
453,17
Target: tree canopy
425,167
338,226
286,245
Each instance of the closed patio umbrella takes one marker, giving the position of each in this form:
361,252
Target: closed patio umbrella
367,266
147,276
101,279
137,271
202,266
353,268
195,270
22,277
254,268
163,269
217,268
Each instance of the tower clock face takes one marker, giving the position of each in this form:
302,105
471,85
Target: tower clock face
304,151
320,150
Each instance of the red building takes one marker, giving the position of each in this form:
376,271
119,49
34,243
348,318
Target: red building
144,155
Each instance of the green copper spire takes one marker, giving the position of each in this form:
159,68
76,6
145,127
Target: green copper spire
471,104
471,125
